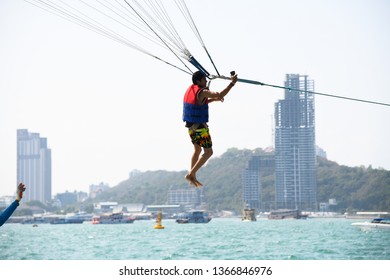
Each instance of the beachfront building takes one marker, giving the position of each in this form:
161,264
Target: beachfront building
34,165
295,150
189,198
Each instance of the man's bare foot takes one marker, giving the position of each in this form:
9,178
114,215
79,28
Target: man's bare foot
190,179
198,184
193,181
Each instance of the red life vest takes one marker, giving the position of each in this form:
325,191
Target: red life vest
192,111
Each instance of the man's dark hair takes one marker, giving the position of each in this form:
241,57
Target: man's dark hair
197,76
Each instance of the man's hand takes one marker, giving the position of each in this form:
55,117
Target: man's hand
19,191
234,79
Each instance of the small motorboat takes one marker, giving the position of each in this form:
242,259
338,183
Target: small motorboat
194,216
377,223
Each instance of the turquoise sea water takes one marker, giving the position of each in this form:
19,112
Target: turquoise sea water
221,239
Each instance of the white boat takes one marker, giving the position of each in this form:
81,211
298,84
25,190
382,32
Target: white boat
248,215
113,218
377,223
281,214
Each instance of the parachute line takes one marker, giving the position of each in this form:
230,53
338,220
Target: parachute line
152,22
148,25
75,16
194,62
300,90
187,15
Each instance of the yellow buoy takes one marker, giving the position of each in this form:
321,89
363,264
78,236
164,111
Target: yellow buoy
158,222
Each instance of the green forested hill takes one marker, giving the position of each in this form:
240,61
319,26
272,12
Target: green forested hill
354,188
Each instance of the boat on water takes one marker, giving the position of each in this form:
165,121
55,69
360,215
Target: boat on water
248,215
56,219
377,223
281,214
62,221
35,221
193,216
73,218
114,218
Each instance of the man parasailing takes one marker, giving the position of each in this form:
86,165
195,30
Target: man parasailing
196,116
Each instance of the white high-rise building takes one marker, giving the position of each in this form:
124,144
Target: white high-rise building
295,152
34,166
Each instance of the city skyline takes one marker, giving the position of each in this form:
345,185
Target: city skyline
108,109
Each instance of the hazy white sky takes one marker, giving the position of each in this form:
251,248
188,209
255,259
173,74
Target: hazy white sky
107,109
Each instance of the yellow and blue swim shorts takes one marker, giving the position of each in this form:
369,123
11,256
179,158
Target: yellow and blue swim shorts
201,137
